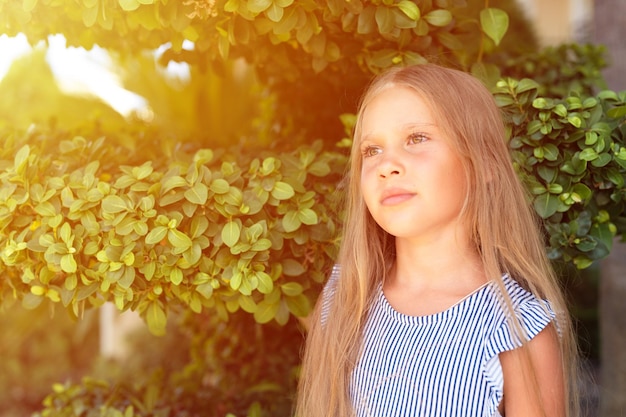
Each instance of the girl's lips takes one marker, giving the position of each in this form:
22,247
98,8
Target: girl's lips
393,197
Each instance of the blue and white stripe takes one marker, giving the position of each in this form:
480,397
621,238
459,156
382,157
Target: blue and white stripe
445,364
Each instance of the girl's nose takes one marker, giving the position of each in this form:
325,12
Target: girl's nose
390,165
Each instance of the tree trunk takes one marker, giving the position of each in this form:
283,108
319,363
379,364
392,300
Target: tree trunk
610,29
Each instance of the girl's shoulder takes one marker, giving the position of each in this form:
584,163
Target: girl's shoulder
521,311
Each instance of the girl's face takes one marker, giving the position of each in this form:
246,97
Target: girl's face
412,180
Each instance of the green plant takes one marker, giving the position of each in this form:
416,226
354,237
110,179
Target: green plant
206,230
570,153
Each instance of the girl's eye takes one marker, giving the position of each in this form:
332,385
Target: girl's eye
416,138
370,151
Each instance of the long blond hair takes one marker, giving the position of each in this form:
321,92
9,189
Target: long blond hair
497,211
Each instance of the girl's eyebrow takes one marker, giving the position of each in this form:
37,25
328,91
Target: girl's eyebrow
404,128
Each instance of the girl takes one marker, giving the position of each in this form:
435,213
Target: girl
443,303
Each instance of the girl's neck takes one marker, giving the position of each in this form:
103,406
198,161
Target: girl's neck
440,263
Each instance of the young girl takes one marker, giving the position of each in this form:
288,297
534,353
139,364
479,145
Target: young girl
443,302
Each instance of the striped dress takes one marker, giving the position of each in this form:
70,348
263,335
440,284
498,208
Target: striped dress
445,364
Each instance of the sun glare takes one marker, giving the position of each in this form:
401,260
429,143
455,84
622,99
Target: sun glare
77,71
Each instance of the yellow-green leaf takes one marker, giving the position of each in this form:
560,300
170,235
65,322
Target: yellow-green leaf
494,22
113,204
179,240
275,13
37,290
291,221
220,186
156,235
265,311
156,319
197,194
291,289
266,285
282,191
438,17
258,6
410,9
231,233
299,305
307,216
129,5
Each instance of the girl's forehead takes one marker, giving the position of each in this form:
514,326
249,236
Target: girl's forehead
395,105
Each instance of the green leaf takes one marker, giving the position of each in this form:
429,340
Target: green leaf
265,311
68,263
176,276
617,112
179,240
156,235
550,152
602,232
156,319
582,262
526,84
582,191
575,121
307,216
31,301
439,17
384,19
113,204
494,23
275,13
220,186
261,245
258,6
45,209
206,290
588,154
247,304
555,188
546,205
231,233
367,21
291,222
266,285
129,5
291,289
299,305
21,158
602,160
410,9
292,268
198,194
282,191
172,183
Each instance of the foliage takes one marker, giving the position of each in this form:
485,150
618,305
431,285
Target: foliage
560,70
210,229
316,56
241,368
571,154
39,347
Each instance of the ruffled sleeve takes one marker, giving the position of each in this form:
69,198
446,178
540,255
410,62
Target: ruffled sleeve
533,315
